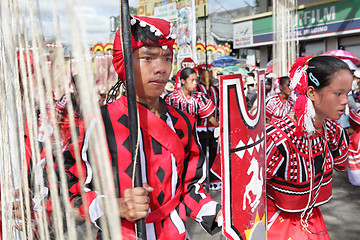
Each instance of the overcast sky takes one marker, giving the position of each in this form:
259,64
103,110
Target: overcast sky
96,14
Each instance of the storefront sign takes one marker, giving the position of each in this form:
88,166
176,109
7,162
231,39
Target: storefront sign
147,7
321,21
243,34
167,11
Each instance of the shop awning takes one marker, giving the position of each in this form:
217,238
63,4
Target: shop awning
222,30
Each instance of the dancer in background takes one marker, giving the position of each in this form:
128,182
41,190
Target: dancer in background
354,147
188,100
280,104
204,126
303,152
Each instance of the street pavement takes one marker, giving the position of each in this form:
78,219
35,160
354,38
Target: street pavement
341,214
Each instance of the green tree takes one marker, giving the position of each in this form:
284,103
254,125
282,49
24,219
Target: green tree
132,10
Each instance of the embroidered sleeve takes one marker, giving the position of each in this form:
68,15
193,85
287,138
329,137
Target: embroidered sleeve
274,158
339,144
173,99
206,106
168,98
87,205
269,108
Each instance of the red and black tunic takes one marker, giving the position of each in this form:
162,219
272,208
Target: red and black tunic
213,95
171,164
208,138
299,178
197,105
291,166
354,158
276,108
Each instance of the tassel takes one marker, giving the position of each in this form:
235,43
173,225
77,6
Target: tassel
300,110
309,117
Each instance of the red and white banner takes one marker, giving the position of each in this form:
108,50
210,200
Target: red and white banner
243,160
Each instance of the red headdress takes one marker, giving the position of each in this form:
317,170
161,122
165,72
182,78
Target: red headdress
161,28
355,115
202,67
304,109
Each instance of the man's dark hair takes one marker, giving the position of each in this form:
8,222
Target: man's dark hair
250,74
144,35
283,80
268,81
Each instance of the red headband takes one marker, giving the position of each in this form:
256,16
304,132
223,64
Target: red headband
161,28
202,67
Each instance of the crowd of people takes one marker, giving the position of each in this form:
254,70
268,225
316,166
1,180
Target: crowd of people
305,141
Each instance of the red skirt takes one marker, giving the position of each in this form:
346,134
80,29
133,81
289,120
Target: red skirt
287,225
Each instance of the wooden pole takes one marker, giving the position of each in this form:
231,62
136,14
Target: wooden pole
207,149
125,30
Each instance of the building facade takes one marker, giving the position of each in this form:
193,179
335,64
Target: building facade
320,27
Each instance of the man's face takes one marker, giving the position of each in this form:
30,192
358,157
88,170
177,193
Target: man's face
285,89
203,74
152,68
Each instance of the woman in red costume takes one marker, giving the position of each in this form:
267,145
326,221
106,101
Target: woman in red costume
303,151
354,148
188,100
191,100
282,103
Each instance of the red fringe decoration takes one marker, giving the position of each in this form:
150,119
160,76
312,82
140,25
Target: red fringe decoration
302,86
299,62
300,108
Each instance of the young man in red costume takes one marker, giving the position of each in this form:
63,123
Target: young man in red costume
213,94
172,164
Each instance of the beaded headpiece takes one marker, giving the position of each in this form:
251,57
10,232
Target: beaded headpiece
161,29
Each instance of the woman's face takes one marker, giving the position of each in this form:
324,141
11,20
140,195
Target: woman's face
331,100
190,82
